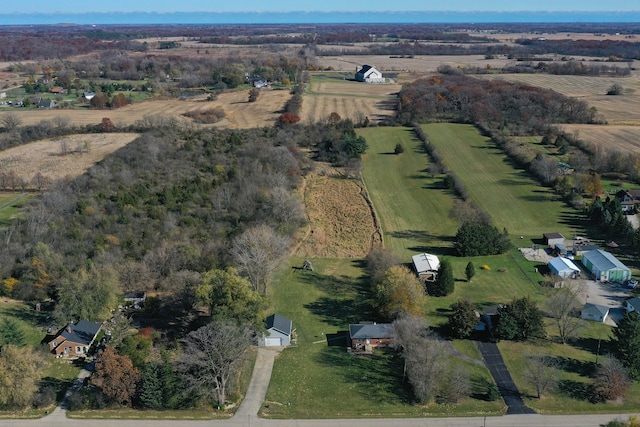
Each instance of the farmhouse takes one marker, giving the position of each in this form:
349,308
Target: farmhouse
605,267
46,103
369,74
75,340
426,266
279,331
629,200
552,239
564,268
595,312
364,337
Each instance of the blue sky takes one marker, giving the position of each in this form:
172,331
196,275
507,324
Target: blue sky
166,6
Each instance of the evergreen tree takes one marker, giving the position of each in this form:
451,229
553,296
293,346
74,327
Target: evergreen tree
469,271
151,389
168,382
445,283
626,343
11,332
521,319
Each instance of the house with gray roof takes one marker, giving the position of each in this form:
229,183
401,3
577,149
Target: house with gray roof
364,337
75,339
605,267
279,331
369,74
595,312
633,304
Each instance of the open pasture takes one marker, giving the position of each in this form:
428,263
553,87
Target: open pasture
510,196
412,207
332,93
240,113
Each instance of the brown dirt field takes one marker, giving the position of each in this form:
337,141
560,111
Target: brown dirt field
45,156
240,113
347,98
626,138
340,221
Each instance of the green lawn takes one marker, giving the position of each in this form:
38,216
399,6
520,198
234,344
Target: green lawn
513,199
10,206
315,380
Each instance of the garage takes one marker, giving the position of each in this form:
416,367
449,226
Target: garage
605,267
273,341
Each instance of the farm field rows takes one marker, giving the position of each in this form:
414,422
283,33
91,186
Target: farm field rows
626,138
329,93
512,198
240,113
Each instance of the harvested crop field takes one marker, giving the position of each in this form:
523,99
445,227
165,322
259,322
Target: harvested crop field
46,156
240,113
626,138
332,94
417,64
340,221
620,109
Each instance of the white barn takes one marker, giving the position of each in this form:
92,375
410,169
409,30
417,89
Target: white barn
563,267
369,74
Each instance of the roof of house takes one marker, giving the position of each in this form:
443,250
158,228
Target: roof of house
635,303
365,68
135,295
603,260
46,103
553,236
596,309
82,332
426,262
371,330
279,323
561,264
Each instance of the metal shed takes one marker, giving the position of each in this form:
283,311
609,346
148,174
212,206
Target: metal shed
605,267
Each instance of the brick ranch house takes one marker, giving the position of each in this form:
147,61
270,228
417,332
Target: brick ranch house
364,337
74,340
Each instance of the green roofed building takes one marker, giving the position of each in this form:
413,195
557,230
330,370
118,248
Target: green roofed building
605,267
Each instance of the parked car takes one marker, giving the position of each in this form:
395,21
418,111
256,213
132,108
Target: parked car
632,283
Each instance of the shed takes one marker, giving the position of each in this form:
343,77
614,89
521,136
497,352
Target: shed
135,298
367,336
279,331
560,249
426,266
605,267
564,267
595,312
633,304
552,239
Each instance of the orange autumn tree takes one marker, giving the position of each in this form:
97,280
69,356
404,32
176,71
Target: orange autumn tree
116,377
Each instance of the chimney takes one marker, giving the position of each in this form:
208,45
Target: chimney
69,329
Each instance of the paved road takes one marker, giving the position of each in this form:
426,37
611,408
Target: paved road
508,389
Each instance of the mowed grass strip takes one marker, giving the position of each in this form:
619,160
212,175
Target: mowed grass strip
512,198
412,207
318,380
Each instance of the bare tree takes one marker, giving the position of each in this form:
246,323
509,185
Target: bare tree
457,384
11,121
611,381
542,373
424,354
564,307
212,356
257,253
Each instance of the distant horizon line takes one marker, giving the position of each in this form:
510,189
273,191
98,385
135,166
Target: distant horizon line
319,17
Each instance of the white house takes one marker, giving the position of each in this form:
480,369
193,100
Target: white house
369,74
563,267
426,266
595,312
